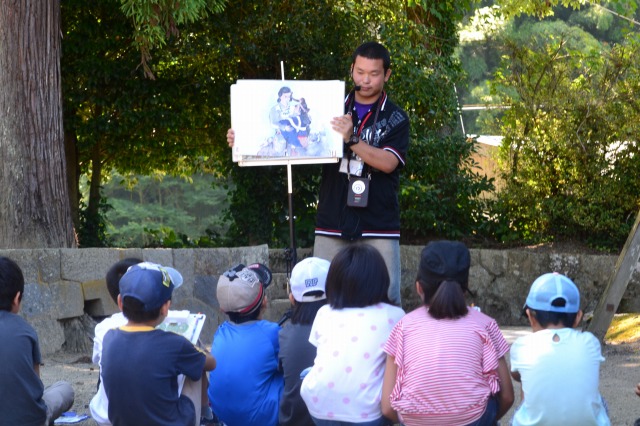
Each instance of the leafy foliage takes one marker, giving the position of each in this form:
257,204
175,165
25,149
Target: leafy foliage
252,38
156,21
175,124
444,197
441,187
570,155
421,39
117,119
153,211
544,8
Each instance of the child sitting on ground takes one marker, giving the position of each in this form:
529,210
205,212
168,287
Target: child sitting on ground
558,365
23,398
307,284
99,405
140,364
343,386
445,362
245,390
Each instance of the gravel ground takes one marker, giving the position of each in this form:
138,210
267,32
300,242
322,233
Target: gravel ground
618,376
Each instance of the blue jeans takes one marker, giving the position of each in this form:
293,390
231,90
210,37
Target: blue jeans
327,247
378,422
489,416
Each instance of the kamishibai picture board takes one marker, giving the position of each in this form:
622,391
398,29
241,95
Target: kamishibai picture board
286,121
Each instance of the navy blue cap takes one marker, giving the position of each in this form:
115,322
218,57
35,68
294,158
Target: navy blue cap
149,283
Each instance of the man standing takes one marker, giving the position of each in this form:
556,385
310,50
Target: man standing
359,195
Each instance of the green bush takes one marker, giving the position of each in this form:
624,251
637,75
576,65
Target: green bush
571,156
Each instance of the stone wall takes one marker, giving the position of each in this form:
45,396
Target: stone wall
63,285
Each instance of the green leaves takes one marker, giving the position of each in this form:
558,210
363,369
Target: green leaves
155,21
571,142
544,8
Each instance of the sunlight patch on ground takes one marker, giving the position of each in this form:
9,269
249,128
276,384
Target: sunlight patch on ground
624,328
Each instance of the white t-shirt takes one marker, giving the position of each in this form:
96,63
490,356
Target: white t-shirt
559,379
345,383
99,405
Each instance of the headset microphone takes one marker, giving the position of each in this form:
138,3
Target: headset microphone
357,88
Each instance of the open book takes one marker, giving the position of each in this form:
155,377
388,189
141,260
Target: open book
186,324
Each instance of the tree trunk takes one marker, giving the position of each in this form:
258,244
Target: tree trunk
35,201
73,175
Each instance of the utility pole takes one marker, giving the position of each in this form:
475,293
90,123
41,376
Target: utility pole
625,265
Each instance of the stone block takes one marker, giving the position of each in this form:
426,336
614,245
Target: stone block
184,261
279,288
566,264
50,333
36,301
631,301
276,308
124,253
98,301
215,261
278,261
409,263
58,300
37,265
211,262
493,261
88,263
158,255
205,287
67,300
248,255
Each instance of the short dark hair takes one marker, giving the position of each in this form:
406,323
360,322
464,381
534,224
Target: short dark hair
373,50
357,277
116,272
133,310
304,313
547,317
11,282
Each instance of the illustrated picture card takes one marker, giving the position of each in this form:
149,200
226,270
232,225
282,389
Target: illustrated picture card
279,121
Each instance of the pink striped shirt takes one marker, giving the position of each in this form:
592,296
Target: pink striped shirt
446,368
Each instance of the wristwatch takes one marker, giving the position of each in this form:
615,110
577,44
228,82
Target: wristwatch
353,140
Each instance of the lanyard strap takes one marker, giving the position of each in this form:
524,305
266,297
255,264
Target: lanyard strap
366,117
357,132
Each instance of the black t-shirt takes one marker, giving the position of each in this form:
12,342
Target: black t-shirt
381,217
296,354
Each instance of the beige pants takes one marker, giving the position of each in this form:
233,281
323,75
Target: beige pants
58,398
193,391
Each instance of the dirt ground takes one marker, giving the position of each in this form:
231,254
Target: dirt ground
618,376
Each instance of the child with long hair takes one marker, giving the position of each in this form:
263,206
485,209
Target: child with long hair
445,362
345,382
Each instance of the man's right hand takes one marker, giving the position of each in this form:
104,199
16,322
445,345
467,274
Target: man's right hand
231,137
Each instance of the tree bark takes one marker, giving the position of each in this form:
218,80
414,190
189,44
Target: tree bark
35,208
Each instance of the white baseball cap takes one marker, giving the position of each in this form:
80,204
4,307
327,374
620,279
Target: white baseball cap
307,276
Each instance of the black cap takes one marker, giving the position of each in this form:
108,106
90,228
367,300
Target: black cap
445,260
